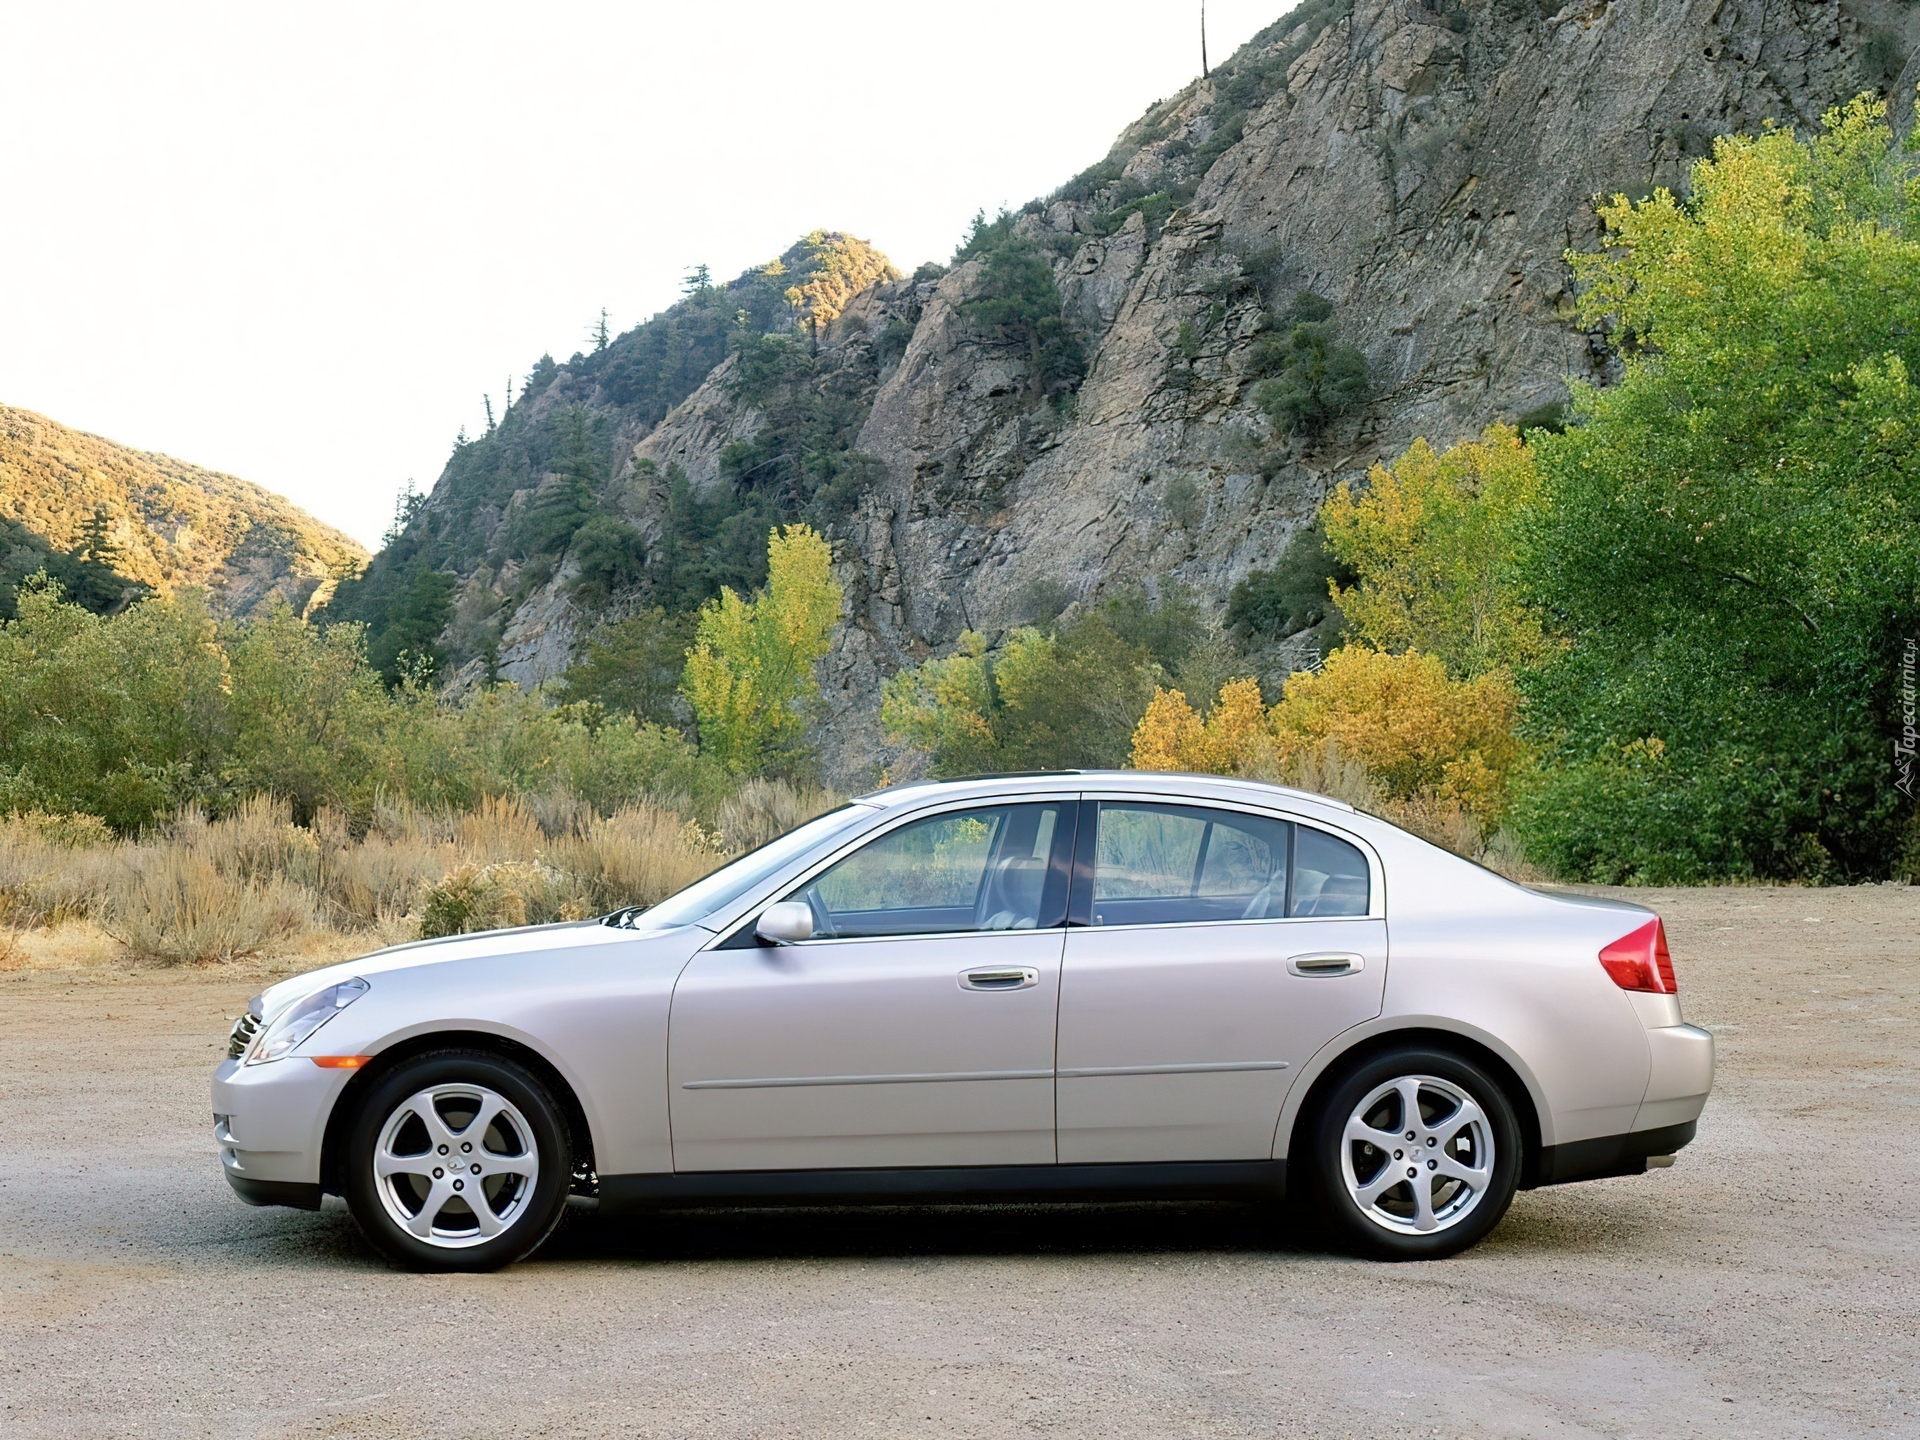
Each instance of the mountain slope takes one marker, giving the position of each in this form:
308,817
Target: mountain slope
1351,234
167,524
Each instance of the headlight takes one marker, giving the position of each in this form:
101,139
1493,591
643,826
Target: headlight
297,1023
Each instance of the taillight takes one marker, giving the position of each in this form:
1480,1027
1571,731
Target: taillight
1640,961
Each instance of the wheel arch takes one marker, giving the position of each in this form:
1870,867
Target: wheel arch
347,1104
1327,1069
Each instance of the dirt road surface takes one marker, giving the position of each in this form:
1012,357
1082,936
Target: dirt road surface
1767,1285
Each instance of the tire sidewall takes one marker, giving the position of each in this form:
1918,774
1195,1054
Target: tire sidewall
534,1223
1344,1212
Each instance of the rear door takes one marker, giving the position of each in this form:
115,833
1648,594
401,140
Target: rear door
915,1028
1211,952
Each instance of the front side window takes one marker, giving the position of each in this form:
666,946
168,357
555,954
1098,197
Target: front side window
1188,864
985,868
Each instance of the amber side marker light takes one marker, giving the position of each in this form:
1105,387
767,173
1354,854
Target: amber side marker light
340,1062
1640,961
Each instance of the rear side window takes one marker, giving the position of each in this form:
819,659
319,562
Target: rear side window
1188,864
1329,875
1165,864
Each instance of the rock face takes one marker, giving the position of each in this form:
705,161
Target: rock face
173,524
1421,166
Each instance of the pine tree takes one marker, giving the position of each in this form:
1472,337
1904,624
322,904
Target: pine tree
96,539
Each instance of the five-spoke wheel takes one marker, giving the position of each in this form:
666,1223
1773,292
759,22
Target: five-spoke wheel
1416,1153
458,1160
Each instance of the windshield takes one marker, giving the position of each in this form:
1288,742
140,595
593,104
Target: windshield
731,881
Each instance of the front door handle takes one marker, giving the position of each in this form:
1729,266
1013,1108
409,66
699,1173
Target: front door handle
1326,962
1012,978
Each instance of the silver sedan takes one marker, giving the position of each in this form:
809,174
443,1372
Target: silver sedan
1047,986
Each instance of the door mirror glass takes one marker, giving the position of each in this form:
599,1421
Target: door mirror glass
984,868
786,922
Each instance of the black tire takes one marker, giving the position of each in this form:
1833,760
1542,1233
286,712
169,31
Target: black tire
534,1125
1373,1231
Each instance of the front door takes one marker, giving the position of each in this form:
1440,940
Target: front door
915,1028
1213,952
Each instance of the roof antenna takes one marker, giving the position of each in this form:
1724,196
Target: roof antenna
1204,72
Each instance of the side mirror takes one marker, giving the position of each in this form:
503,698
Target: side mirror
786,922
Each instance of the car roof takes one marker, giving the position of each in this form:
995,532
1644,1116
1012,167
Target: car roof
1175,785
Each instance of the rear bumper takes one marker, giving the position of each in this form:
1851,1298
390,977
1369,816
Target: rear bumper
1605,1155
1680,1076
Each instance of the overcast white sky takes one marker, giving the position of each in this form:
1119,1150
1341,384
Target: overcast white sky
298,243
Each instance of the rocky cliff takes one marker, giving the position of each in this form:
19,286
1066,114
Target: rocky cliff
1420,166
166,524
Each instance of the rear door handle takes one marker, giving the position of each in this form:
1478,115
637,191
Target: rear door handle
1012,978
1326,962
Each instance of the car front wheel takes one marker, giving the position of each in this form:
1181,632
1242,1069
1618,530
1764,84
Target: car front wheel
1416,1154
458,1161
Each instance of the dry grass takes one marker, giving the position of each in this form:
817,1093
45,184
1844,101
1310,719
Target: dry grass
253,885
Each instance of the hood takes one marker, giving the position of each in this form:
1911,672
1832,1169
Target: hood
531,939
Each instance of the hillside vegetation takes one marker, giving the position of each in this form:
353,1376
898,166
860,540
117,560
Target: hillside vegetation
550,487
86,510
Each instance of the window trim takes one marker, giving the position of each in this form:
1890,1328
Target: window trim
1080,897
738,933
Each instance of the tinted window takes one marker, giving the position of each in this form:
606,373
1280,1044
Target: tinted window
1165,864
1329,875
978,869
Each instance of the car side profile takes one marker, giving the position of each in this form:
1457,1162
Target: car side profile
1063,985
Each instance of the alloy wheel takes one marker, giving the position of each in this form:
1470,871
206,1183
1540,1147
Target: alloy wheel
1417,1155
456,1165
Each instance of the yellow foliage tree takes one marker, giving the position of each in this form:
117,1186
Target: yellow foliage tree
1172,736
1421,734
750,671
1418,731
1429,538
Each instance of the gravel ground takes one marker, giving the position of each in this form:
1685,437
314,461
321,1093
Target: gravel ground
1765,1285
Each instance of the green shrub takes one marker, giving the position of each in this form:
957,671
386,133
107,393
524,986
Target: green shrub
1293,595
1315,378
1017,296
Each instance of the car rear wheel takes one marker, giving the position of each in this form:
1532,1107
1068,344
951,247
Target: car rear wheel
1416,1154
458,1160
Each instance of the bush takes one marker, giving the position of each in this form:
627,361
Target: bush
1315,377
1046,701
639,856
1018,297
763,810
174,904
1294,595
1422,738
499,896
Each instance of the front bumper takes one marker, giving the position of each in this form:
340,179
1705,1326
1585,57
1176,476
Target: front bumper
270,1123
